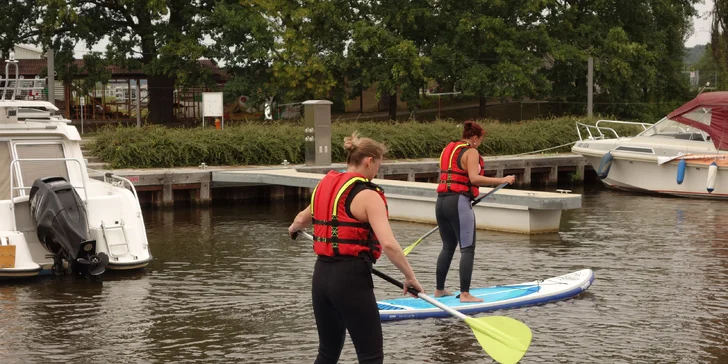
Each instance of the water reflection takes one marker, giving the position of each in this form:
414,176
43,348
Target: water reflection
228,285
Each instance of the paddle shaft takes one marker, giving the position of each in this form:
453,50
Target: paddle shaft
475,202
474,324
419,294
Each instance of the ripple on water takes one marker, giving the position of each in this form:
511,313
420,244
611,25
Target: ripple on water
228,285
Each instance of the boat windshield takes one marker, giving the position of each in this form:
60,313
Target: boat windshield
668,128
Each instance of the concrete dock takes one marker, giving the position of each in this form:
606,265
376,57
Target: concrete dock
408,185
518,211
167,186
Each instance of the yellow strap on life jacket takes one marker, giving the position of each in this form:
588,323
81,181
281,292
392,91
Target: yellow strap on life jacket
313,194
449,167
338,195
341,192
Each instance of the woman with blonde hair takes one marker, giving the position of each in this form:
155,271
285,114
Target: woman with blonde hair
351,229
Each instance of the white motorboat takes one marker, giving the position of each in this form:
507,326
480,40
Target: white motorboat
53,216
684,154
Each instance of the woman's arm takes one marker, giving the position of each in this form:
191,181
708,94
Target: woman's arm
473,168
368,206
302,221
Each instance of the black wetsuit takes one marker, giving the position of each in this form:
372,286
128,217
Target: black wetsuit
343,299
456,220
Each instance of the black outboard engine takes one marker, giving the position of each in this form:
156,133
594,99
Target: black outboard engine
62,228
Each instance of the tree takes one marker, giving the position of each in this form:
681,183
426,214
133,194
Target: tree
491,48
719,40
389,50
707,68
637,46
290,50
165,38
18,24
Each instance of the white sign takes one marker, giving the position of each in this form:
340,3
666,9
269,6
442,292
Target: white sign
212,104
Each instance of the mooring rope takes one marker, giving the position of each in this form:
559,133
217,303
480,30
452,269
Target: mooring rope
543,150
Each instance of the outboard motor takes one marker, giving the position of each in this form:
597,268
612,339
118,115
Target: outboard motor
62,228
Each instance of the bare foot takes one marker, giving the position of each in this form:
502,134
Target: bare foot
442,293
467,297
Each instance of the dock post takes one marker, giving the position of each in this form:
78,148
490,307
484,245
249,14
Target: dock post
580,172
554,175
526,176
204,198
411,176
317,132
167,191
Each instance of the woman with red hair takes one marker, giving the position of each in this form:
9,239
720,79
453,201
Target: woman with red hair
461,175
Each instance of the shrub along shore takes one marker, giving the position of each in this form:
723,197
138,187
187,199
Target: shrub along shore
257,143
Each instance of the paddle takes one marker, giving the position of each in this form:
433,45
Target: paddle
503,338
408,249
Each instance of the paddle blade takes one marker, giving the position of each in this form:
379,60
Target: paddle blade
408,249
503,338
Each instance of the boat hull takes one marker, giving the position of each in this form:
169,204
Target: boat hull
647,176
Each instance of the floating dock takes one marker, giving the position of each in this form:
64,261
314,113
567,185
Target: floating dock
408,184
518,211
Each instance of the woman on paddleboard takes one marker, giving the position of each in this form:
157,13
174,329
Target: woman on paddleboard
351,230
461,175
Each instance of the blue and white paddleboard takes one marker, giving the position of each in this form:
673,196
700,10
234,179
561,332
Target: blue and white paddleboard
494,298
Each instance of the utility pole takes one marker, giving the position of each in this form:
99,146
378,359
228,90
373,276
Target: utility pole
590,88
139,103
51,81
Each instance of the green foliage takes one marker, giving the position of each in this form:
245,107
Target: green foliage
164,38
719,41
638,56
270,144
17,25
491,48
694,54
334,49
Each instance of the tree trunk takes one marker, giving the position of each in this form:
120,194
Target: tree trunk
393,106
161,99
481,109
160,88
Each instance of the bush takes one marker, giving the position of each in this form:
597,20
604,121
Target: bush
258,143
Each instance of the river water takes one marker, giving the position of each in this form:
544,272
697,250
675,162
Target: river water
228,286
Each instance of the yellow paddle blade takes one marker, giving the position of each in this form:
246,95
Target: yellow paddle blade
503,338
408,249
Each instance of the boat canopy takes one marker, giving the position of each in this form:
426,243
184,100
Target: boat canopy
716,123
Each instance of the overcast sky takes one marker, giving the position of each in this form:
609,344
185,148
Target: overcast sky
701,24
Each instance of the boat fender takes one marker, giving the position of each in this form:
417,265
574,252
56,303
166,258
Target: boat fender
604,165
681,171
712,173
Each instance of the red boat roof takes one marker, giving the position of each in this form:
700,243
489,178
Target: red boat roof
718,128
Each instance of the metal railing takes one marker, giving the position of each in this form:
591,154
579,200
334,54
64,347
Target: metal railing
19,87
598,129
123,181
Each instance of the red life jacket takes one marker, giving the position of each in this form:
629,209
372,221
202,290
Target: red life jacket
453,178
335,232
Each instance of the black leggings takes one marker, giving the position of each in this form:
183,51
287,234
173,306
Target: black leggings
343,299
456,220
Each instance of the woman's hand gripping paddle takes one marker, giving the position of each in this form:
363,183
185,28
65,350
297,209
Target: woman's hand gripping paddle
503,338
408,249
